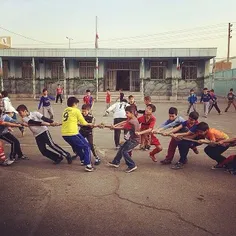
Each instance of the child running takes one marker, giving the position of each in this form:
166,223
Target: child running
87,131
205,99
132,126
231,99
46,105
70,132
214,102
148,122
184,129
38,123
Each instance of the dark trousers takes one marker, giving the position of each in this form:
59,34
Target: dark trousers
117,132
215,105
59,96
80,146
184,147
15,145
229,104
124,150
89,138
214,152
45,139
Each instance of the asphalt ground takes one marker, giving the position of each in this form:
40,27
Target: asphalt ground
39,198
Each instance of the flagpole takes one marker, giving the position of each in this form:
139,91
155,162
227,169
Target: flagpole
96,50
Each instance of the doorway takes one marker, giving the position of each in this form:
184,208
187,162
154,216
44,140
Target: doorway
123,80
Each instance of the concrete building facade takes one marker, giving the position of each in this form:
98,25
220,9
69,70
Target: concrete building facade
163,72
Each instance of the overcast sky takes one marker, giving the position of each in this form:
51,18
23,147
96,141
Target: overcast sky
121,23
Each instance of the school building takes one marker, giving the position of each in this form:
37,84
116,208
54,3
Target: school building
166,73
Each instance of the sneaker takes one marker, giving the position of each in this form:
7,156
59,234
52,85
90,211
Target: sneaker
118,147
113,165
23,157
165,162
195,150
97,161
148,147
177,166
7,162
217,166
58,161
69,158
82,163
89,168
129,170
152,157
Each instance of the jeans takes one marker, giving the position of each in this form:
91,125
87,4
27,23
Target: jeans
59,96
80,146
124,151
214,152
229,104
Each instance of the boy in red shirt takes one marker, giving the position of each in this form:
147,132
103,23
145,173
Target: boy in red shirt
59,93
148,122
108,98
88,99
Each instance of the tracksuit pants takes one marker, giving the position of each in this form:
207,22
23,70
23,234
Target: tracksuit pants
48,111
43,140
59,96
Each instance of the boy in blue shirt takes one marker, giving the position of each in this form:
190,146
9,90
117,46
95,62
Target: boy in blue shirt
205,99
45,103
192,99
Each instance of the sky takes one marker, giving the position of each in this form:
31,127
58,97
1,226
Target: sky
121,23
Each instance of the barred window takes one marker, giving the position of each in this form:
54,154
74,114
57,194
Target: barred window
27,70
5,69
158,69
87,70
189,70
57,70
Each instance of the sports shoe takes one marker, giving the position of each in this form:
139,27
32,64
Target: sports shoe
7,162
148,147
217,166
118,147
129,170
113,165
69,158
152,157
231,171
97,161
177,166
165,162
89,168
195,150
23,157
82,163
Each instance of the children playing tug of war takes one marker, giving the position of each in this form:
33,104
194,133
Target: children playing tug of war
139,126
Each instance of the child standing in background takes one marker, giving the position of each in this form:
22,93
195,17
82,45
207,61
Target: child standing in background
46,105
133,105
214,102
192,99
205,99
231,99
108,98
59,93
88,99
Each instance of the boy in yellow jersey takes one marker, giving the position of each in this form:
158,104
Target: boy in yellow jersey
71,118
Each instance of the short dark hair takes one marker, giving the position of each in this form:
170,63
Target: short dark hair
194,115
86,107
147,98
153,107
130,96
129,109
173,111
231,90
71,101
108,89
202,126
44,90
212,90
191,90
58,84
205,89
88,91
22,107
4,94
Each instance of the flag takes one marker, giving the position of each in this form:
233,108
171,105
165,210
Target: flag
96,40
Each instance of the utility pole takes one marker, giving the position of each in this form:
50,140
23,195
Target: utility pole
229,39
96,51
69,40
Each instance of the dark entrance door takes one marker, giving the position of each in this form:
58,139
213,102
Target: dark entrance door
123,80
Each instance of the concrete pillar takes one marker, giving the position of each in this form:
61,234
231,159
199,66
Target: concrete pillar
142,76
64,77
1,74
12,68
33,77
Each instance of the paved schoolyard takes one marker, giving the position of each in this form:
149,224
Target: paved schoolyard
41,199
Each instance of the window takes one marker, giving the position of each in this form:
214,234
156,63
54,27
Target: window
189,70
5,69
158,69
27,70
87,70
57,70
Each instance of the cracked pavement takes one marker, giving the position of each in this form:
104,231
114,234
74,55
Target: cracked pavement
38,198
